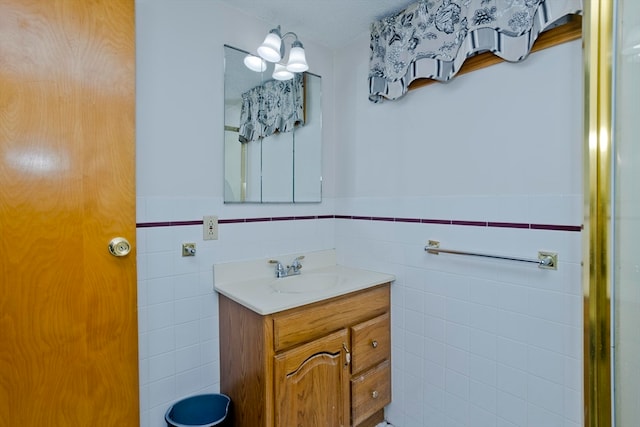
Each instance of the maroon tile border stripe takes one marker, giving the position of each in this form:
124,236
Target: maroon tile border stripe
520,225
167,224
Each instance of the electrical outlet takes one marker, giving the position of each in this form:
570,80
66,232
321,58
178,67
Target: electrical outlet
210,227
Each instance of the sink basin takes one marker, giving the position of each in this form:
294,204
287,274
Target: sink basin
305,283
253,283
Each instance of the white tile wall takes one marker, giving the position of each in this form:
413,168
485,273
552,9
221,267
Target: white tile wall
178,321
463,336
472,346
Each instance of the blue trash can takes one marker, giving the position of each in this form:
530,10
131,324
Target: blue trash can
203,410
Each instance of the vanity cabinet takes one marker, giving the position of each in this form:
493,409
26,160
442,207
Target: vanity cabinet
325,364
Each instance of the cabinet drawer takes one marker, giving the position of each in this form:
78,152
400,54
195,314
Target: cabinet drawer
370,392
370,342
306,323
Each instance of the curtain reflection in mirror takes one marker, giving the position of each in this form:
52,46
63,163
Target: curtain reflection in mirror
274,106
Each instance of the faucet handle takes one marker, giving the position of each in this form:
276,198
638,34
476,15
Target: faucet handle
296,263
280,271
279,265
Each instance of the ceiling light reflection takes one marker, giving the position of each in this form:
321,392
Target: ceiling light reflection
38,161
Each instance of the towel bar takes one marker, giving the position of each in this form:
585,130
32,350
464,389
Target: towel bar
546,260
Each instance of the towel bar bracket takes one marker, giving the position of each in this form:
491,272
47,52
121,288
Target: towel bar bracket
548,260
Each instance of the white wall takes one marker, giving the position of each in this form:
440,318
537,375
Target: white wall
474,342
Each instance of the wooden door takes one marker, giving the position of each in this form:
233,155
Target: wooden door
68,320
312,384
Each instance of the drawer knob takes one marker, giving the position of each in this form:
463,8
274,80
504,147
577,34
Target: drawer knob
374,344
375,394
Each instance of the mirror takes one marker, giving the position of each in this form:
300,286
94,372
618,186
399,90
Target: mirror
272,135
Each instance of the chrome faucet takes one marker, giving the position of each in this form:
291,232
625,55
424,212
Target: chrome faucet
289,270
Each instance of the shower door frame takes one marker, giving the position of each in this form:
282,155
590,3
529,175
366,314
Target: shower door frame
598,24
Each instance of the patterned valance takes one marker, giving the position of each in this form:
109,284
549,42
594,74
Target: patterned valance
274,106
432,38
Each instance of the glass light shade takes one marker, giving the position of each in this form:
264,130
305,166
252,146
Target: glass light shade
255,63
270,48
280,72
297,59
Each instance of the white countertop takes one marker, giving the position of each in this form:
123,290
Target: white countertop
254,285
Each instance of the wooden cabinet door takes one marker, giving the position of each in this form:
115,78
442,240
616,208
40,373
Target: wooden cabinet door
68,315
312,384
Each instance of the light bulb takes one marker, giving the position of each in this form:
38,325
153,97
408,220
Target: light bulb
280,72
270,48
297,58
255,63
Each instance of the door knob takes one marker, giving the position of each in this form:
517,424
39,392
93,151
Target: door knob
119,246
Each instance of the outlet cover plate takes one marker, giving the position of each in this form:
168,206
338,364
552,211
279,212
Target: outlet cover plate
210,227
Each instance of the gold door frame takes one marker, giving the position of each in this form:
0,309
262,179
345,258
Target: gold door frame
598,35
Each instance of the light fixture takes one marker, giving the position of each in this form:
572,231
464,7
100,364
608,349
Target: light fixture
255,63
297,58
273,50
280,72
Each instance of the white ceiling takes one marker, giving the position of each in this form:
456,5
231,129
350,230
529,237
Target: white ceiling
327,22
